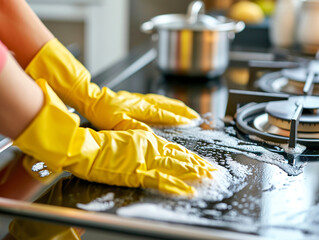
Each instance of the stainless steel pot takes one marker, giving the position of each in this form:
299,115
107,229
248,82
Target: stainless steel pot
194,44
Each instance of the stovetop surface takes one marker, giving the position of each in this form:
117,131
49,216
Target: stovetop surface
254,191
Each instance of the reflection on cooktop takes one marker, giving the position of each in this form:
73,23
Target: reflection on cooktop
251,190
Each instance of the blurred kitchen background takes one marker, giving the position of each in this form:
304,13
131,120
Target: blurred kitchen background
100,32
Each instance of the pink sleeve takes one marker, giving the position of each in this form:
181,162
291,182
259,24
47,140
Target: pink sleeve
3,55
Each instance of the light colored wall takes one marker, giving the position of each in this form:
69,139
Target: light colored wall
72,39
97,29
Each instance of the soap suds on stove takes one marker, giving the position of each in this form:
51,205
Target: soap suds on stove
225,182
230,177
209,206
203,141
102,203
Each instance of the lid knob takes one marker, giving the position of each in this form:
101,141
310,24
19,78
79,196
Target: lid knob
193,11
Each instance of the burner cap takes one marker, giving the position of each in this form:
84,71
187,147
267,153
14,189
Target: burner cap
261,123
297,74
246,123
308,102
281,112
275,82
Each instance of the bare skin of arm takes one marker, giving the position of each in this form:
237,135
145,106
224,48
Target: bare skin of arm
21,30
20,99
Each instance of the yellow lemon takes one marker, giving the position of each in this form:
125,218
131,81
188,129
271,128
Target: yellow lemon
246,11
267,6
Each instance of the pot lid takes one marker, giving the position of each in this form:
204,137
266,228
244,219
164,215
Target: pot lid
195,19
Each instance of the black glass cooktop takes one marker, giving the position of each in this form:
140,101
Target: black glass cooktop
255,192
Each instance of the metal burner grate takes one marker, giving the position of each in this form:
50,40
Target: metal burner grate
252,119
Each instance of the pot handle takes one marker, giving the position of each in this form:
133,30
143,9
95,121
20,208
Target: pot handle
193,11
147,27
239,26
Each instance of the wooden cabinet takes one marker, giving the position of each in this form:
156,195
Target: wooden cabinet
218,4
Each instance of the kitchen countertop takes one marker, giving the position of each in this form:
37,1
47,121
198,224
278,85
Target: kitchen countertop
264,202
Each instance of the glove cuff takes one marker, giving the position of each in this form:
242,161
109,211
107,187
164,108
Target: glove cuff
64,73
48,136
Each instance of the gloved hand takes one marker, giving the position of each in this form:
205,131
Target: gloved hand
22,229
133,158
104,108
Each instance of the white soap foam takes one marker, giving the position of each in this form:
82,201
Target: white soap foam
44,173
220,140
41,169
102,203
225,182
38,166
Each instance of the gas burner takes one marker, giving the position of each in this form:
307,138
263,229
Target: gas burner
280,113
286,77
263,124
297,75
290,81
276,118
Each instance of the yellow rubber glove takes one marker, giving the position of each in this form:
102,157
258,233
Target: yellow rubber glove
104,108
133,158
22,229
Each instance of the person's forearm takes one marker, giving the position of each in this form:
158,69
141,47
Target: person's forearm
21,30
20,99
